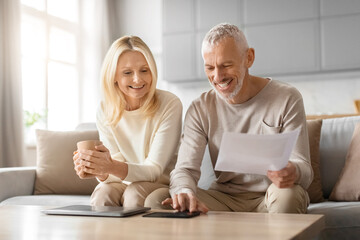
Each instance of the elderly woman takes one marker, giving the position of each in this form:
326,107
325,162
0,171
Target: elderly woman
138,125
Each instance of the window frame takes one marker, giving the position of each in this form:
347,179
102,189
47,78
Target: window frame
73,28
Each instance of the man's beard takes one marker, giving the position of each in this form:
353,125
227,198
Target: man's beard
232,94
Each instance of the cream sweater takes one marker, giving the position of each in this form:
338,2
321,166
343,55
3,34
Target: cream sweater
277,108
148,145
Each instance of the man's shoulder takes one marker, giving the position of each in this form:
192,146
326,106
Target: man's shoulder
203,105
205,98
283,88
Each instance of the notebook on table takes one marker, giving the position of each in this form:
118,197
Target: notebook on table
98,211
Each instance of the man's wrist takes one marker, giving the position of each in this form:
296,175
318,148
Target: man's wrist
183,190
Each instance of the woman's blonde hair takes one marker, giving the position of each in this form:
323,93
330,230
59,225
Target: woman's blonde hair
114,102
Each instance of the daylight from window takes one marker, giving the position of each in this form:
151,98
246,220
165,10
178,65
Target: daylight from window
50,65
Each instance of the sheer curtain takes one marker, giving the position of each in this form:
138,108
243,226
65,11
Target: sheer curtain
100,30
11,126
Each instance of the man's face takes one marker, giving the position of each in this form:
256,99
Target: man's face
225,67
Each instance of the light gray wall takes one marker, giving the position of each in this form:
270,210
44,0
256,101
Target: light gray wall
142,18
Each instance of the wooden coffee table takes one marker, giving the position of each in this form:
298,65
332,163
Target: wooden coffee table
27,222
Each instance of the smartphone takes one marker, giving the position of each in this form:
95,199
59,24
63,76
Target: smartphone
172,214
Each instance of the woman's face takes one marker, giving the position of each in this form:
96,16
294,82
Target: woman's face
133,76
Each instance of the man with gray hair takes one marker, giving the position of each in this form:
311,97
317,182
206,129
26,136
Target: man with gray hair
241,103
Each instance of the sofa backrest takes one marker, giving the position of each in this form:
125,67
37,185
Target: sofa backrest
336,134
86,126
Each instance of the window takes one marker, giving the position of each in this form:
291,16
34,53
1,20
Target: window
50,32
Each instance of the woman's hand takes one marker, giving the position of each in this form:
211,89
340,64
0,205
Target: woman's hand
79,168
98,163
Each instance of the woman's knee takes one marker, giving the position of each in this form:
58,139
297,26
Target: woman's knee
107,194
154,199
134,195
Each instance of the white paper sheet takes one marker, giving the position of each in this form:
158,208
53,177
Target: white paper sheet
249,153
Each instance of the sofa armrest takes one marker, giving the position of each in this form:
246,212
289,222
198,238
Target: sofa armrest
16,181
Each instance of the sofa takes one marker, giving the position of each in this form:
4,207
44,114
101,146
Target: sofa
53,181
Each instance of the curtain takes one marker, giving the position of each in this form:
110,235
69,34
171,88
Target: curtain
99,31
11,125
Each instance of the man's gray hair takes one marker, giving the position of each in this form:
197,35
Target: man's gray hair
224,30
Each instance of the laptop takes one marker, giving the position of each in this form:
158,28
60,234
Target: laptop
98,211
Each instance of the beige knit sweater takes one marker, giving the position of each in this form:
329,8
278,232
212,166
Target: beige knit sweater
277,108
148,145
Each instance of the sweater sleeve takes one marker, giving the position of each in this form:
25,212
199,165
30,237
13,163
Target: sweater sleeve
163,148
107,138
294,118
185,176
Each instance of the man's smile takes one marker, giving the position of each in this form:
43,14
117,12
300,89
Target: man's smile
224,84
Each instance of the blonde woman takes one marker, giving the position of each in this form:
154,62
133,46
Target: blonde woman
138,125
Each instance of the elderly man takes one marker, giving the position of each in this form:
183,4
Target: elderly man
242,103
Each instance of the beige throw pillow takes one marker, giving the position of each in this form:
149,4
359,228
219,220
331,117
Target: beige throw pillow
347,187
315,189
55,172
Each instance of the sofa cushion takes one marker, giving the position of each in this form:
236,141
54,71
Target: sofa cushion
347,187
335,139
314,130
342,219
338,214
55,172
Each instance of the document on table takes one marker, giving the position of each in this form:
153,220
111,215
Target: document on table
249,153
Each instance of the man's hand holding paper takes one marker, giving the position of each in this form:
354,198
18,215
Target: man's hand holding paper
259,154
285,177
